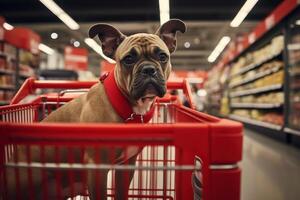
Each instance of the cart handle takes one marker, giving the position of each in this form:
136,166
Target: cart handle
30,85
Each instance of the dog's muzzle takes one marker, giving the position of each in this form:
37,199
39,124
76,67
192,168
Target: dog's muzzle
148,80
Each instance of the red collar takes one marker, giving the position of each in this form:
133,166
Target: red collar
120,103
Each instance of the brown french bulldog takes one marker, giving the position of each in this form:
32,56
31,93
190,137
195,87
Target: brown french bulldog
142,68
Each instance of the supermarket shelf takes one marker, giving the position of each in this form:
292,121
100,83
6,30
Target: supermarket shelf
2,103
295,62
292,131
8,72
256,90
256,105
24,75
255,122
255,65
296,105
7,87
257,76
8,56
295,86
2,55
214,89
295,73
214,105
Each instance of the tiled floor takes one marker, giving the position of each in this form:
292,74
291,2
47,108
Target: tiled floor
270,169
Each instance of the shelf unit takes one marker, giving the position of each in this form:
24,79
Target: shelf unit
293,83
256,105
261,79
8,67
8,72
256,122
253,75
17,48
256,90
256,65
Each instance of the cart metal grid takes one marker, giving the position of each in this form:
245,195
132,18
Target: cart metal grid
168,167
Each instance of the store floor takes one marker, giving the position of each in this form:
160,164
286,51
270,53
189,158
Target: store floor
270,169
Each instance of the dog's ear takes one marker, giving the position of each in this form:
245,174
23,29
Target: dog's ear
167,32
109,36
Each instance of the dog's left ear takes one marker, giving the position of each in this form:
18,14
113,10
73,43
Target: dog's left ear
167,32
109,36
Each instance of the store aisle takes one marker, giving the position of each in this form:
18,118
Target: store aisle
270,169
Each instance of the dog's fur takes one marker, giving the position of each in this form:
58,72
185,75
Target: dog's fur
142,68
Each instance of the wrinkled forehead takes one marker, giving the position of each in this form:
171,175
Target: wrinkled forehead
142,42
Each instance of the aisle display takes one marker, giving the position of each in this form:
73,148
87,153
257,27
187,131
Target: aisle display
293,49
213,88
8,62
256,81
264,77
19,57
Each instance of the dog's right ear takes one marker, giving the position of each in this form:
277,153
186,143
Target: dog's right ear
109,36
167,32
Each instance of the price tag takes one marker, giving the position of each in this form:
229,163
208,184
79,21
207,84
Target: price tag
251,38
269,22
1,33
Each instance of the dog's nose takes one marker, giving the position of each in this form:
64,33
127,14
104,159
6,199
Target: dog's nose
149,70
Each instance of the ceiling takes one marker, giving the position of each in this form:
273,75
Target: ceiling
207,22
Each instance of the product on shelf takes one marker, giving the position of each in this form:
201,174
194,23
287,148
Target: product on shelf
216,102
242,112
256,74
272,97
261,55
259,115
273,118
26,71
2,63
6,80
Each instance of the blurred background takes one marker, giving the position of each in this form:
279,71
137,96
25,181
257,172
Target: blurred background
241,59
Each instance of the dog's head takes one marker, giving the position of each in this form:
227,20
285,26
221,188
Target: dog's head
142,60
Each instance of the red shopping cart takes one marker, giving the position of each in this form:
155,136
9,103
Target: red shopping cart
186,154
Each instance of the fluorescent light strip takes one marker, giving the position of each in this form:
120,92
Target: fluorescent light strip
164,11
96,47
7,26
44,48
61,14
242,14
219,48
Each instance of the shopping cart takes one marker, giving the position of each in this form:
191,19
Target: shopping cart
186,154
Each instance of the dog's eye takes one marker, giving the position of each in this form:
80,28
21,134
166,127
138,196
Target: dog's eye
163,57
129,60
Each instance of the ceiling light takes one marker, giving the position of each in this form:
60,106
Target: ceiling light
298,22
96,47
187,45
201,93
219,48
76,44
68,21
44,48
242,14
61,14
164,11
7,26
197,41
54,36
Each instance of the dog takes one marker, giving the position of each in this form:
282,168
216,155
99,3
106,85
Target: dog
140,74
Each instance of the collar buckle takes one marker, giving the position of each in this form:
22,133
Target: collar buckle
103,77
132,115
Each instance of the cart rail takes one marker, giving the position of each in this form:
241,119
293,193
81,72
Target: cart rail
167,167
